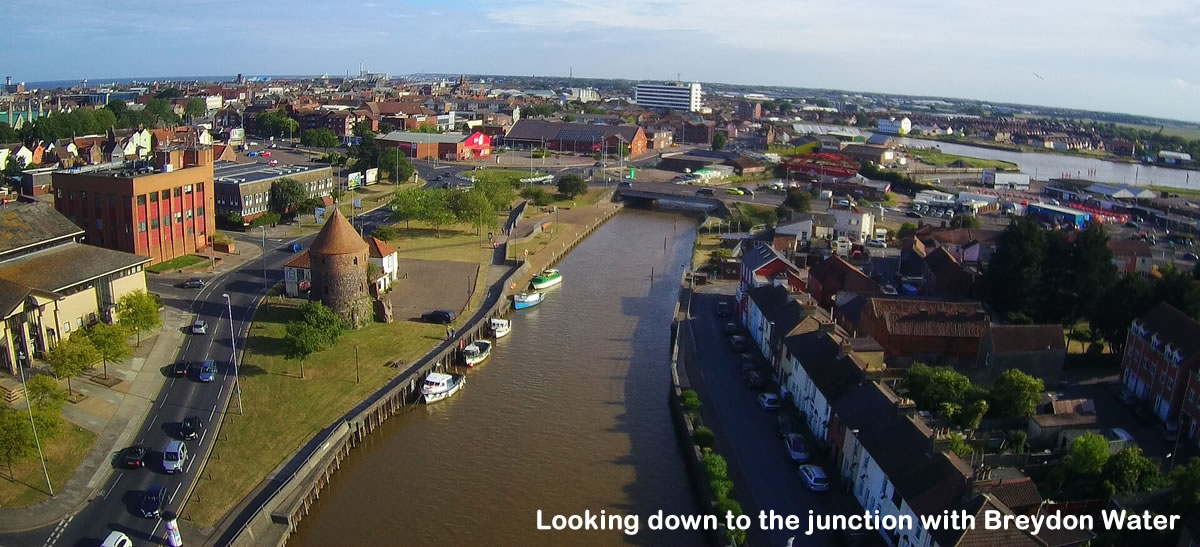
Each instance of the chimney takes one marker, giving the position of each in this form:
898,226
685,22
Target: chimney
826,328
8,80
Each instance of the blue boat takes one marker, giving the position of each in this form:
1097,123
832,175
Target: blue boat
528,299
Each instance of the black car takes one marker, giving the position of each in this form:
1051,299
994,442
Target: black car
723,309
730,328
190,428
438,316
784,426
180,369
706,192
753,380
912,214
193,284
135,456
738,342
152,502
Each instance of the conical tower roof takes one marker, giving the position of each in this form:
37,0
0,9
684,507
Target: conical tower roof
338,237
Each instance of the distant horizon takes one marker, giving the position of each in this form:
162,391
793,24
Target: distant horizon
232,77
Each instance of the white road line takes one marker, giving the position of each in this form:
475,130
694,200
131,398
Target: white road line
151,422
114,485
156,525
201,441
164,399
220,391
175,492
210,414
188,469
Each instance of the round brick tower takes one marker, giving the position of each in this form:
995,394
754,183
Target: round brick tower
339,270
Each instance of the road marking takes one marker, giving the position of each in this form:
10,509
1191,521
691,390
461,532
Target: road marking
175,492
201,441
151,422
156,525
114,485
164,399
214,411
188,469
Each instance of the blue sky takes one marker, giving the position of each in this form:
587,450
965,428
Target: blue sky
1112,55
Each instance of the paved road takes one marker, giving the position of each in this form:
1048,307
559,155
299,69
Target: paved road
764,475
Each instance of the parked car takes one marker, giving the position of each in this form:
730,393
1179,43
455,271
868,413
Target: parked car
199,327
1120,433
748,364
814,478
746,191
912,214
1143,413
193,284
1190,256
1131,224
190,428
706,192
722,309
438,316
117,539
152,502
135,457
733,191
208,371
878,243
273,163
174,457
783,425
769,401
625,185
753,379
180,369
738,342
795,447
267,153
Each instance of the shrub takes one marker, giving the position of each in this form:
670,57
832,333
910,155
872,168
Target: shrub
721,488
538,196
222,239
1017,439
958,445
703,437
726,505
715,466
690,400
386,233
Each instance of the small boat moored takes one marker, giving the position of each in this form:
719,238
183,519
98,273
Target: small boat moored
546,279
528,299
500,327
476,352
440,386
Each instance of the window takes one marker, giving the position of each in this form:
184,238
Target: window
70,195
59,194
178,218
127,227
166,220
166,194
83,196
112,200
99,224
187,189
1170,383
154,223
200,211
189,214
154,197
178,191
141,200
141,227
66,327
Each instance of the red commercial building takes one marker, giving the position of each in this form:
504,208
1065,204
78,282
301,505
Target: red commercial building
160,210
445,146
1162,353
578,137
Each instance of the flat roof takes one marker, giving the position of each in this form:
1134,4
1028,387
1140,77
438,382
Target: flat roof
1059,209
423,138
227,172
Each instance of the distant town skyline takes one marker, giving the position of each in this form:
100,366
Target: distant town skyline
1100,55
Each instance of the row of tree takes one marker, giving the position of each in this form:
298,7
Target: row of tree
952,395
439,206
276,123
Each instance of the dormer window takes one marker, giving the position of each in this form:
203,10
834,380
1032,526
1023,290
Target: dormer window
1155,341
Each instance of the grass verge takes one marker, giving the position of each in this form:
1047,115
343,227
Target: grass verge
935,157
706,243
26,485
252,446
177,263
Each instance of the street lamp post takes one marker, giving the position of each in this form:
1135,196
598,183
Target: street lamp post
36,441
264,259
237,386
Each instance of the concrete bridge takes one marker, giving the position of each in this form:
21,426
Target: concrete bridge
710,205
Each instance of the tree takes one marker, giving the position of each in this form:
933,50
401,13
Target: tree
269,218
1179,290
1016,394
70,357
1087,455
320,137
337,194
366,153
287,194
138,312
499,193
396,166
1186,480
436,209
906,229
1127,299
965,221
118,107
472,207
195,107
384,128
408,205
386,233
929,387
718,140
47,400
798,200
168,93
1094,271
302,340
234,218
1014,273
1128,471
111,341
16,438
160,110
970,415
363,129
572,185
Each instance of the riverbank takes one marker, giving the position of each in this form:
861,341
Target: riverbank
937,158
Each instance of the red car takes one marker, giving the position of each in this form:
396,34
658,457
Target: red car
265,154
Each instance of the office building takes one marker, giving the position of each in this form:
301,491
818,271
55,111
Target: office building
672,96
245,188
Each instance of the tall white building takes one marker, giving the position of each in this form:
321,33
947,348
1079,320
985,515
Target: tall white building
893,126
675,96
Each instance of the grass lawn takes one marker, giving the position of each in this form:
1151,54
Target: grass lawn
590,198
283,411
176,264
63,454
540,241
454,242
706,243
511,176
752,215
1188,192
938,158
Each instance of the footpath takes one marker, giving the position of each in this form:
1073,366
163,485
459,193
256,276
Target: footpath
116,413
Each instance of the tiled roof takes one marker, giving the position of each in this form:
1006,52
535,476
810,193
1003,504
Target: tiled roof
1172,326
981,536
906,317
338,237
836,268
541,129
378,248
27,224
963,236
1073,406
952,280
1022,338
301,260
1128,247
1017,493
11,295
66,265
1072,419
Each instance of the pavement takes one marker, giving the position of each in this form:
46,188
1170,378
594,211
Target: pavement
114,413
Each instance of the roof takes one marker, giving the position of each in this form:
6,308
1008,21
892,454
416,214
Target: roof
438,377
413,136
27,224
66,265
338,237
1173,327
1129,247
378,248
1070,419
964,236
246,173
1023,338
532,130
762,254
302,260
850,277
1076,406
982,536
905,317
951,278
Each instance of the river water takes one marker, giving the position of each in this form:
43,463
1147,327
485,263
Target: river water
1046,166
568,414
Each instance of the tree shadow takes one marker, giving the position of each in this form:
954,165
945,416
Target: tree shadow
246,370
267,345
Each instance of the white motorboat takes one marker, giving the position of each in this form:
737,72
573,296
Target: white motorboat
528,299
440,386
476,352
500,327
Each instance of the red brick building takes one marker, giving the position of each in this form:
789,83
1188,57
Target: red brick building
926,330
578,137
835,274
161,211
1162,354
446,146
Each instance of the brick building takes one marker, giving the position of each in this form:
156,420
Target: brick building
160,210
446,146
1162,354
578,137
927,330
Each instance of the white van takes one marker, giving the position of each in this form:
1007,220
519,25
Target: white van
174,457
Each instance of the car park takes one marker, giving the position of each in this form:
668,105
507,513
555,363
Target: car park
190,428
207,372
768,401
795,447
438,316
753,379
199,327
193,284
783,425
814,478
135,457
723,309
152,501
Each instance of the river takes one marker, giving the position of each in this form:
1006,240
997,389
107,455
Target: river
569,414
1046,166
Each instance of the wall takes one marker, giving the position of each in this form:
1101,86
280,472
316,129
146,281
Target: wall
74,309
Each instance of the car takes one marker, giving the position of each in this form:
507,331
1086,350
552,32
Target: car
625,185
135,457
597,164
734,191
706,192
174,457
193,284
180,368
738,342
1131,224
252,154
444,317
939,213
753,380
949,214
273,163
814,478
783,425
274,145
208,371
1055,202
199,327
795,447
190,428
1143,413
748,364
1123,435
731,327
117,539
267,153
912,214
251,143
1190,256
879,243
152,502
746,191
723,309
769,401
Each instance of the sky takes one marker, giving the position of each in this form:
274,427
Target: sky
1107,55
